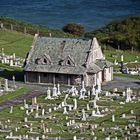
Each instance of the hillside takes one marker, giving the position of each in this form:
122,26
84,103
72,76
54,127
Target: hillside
124,34
31,28
15,42
19,43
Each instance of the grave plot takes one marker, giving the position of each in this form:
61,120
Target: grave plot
7,88
74,114
11,60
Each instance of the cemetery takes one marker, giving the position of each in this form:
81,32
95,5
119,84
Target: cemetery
65,112
11,60
73,113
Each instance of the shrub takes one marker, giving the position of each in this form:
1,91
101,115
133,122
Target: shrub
74,28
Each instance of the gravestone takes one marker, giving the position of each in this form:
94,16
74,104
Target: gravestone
14,85
34,101
75,104
54,91
6,84
113,118
48,94
58,89
83,115
11,109
65,110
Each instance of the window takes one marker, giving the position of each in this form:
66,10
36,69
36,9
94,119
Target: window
45,61
68,62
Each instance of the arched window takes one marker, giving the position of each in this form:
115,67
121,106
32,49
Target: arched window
44,61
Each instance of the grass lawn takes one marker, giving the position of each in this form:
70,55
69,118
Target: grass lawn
127,75
111,55
13,94
15,42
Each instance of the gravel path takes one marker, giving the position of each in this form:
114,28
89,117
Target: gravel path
122,83
19,99
119,82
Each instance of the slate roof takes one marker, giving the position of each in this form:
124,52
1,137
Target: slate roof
103,64
58,49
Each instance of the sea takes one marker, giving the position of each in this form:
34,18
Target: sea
92,14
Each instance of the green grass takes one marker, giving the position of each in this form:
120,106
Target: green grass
126,108
111,55
5,66
127,75
15,42
11,95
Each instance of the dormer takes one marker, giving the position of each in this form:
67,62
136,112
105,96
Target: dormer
68,61
44,60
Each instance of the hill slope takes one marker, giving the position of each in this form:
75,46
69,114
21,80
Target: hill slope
15,42
123,33
32,28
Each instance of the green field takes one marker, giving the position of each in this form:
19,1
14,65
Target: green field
15,42
13,94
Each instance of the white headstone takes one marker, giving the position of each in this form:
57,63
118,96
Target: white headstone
83,115
6,85
11,109
74,138
93,112
65,99
94,104
27,112
65,110
14,56
88,108
43,112
75,104
93,90
54,91
13,78
50,110
98,111
11,62
25,119
48,94
58,89
113,118
121,58
128,95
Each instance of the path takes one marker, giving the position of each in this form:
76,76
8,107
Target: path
122,83
19,99
119,82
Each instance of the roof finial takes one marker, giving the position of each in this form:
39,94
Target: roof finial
50,35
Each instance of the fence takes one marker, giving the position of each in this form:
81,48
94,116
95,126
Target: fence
25,29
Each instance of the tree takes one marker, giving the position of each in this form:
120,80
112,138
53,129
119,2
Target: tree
74,28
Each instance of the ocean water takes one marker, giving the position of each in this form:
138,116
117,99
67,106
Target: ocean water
91,14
